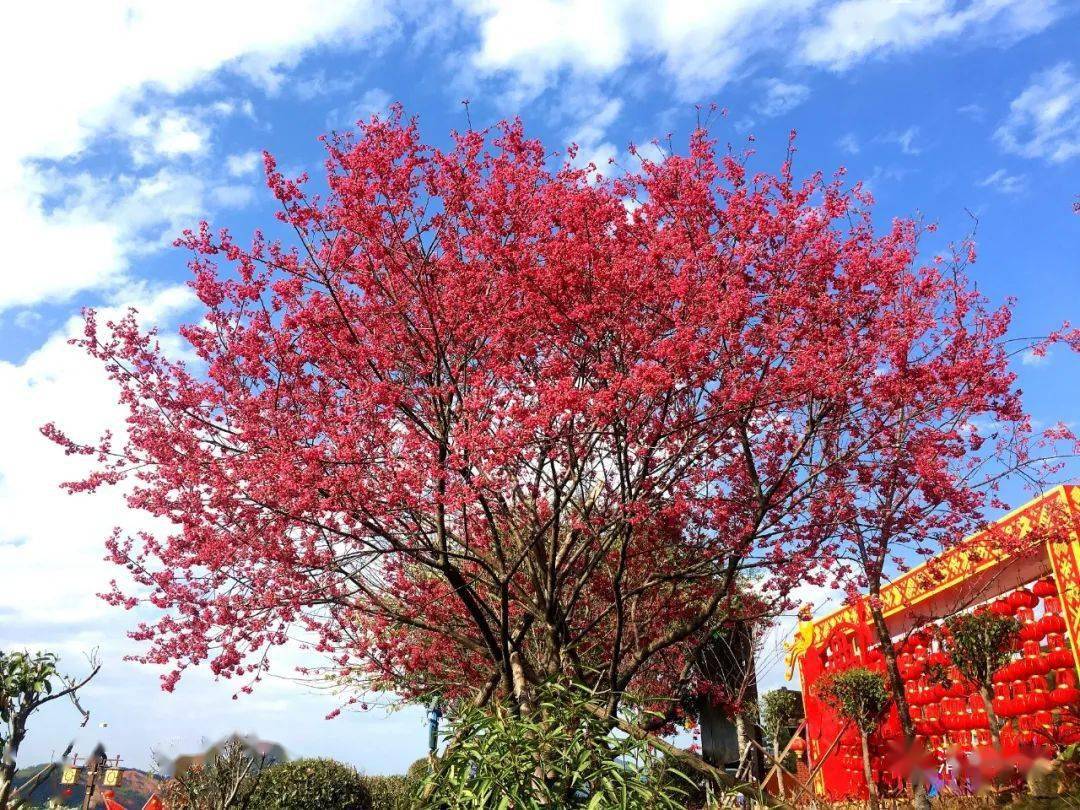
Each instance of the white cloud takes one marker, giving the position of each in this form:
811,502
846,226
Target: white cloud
168,135
92,66
1044,120
232,196
780,97
51,556
906,140
243,164
26,318
44,529
881,176
976,112
320,84
374,101
849,143
51,252
1004,182
589,134
1030,358
94,226
701,45
853,30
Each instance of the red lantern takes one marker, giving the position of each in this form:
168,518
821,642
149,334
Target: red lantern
1060,659
1065,677
798,745
1008,740
904,663
1063,696
1069,733
1001,607
1029,628
939,659
1044,588
1040,665
1051,623
1021,598
1036,702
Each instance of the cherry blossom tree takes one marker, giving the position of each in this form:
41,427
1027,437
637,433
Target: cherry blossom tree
948,429
485,419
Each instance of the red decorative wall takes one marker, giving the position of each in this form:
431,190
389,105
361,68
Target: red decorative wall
1036,694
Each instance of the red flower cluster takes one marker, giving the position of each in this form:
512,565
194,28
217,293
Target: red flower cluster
484,404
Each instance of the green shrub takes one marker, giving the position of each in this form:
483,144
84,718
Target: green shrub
311,784
226,780
389,792
562,756
981,644
419,770
857,694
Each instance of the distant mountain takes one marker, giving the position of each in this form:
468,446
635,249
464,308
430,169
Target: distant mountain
261,751
137,788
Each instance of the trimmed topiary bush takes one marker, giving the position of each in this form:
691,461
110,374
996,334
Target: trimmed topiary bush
860,696
389,792
419,770
311,784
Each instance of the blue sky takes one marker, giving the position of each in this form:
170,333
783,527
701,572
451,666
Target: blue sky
127,122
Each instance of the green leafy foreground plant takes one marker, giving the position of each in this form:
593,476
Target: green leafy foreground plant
311,784
390,792
226,781
779,710
982,643
860,696
562,756
28,682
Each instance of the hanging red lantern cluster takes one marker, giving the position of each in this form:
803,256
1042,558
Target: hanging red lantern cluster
1036,695
1038,688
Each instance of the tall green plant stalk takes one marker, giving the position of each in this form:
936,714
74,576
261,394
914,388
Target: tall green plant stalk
982,643
860,696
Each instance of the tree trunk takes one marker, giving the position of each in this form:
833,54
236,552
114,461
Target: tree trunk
868,773
7,777
776,761
695,763
896,685
522,692
9,756
742,736
991,716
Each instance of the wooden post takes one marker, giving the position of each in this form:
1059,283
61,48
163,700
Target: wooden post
91,781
